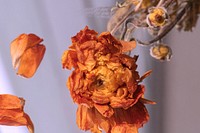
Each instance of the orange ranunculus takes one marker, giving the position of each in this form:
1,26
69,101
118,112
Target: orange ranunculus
27,53
105,83
12,114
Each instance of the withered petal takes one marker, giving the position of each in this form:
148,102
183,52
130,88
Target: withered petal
14,116
24,54
137,115
128,45
124,128
17,48
69,59
20,44
8,101
84,35
146,101
105,110
83,118
145,75
30,61
116,102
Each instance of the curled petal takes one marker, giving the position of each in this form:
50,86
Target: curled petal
12,114
145,75
146,101
30,61
105,110
124,128
11,102
84,35
116,102
84,119
101,98
69,59
128,46
27,53
136,115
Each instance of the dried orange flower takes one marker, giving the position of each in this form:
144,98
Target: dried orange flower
105,83
12,114
27,53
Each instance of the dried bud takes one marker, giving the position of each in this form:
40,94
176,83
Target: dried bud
161,52
157,17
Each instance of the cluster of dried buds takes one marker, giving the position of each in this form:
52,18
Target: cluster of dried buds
105,83
158,17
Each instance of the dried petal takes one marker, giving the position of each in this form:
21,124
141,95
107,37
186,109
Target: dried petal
124,128
12,114
27,53
28,66
128,45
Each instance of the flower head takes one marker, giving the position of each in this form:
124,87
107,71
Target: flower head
161,52
104,81
157,17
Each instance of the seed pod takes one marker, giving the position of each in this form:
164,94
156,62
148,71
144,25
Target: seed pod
157,17
161,52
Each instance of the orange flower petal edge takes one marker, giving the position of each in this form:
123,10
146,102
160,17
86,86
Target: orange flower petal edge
27,54
12,113
105,83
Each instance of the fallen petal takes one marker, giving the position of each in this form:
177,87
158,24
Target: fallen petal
12,114
24,50
30,61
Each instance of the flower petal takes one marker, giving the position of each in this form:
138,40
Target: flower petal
128,45
124,128
12,114
105,110
20,44
30,61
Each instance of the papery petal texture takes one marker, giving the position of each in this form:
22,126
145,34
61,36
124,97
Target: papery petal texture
105,83
12,113
27,54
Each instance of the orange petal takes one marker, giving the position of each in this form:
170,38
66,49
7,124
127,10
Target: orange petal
136,115
10,102
69,59
145,75
20,45
83,119
17,48
124,128
128,45
12,114
105,110
30,61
